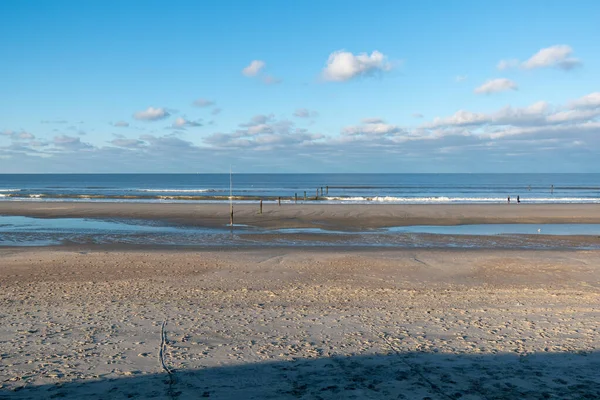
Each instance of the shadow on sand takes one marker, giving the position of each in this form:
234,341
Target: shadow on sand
396,376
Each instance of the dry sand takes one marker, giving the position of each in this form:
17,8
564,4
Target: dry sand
290,323
327,216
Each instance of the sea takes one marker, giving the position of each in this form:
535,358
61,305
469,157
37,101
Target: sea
322,188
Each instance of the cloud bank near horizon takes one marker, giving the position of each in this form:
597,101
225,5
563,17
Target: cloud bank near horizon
539,130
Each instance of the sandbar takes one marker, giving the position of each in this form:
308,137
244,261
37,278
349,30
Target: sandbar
328,216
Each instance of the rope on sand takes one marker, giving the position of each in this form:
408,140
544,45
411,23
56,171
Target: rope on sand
163,347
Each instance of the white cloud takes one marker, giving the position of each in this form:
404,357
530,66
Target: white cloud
151,114
270,80
372,121
254,68
128,143
258,120
263,132
591,100
417,115
179,122
461,78
70,142
63,139
182,123
372,127
168,144
558,56
25,136
259,129
59,121
530,115
507,64
204,103
216,111
18,135
535,119
574,115
546,132
496,85
460,118
533,114
38,143
305,113
343,65
121,124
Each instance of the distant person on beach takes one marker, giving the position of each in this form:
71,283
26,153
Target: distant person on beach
509,199
518,199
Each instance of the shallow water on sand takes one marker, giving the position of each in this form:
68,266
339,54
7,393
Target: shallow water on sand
503,229
26,231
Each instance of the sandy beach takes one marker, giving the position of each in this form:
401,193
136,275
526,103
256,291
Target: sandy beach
329,216
313,200
299,323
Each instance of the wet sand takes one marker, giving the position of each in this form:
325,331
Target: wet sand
327,216
299,323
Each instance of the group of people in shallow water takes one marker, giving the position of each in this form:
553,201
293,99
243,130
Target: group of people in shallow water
518,199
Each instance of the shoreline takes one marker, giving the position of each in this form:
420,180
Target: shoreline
329,216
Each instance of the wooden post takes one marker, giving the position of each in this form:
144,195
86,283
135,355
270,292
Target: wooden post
327,190
279,201
260,209
231,216
321,190
305,195
317,196
295,198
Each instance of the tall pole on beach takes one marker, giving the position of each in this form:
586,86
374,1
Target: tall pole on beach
230,197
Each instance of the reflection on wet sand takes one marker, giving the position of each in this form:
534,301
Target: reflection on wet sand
26,231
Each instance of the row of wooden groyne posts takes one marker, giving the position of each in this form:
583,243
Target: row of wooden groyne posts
260,207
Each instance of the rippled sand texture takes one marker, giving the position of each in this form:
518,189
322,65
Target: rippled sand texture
300,324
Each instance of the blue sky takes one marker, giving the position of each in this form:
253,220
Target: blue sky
303,86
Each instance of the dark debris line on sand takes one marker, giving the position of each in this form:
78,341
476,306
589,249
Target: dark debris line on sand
161,355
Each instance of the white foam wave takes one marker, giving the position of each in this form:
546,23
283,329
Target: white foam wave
176,190
326,200
10,190
447,200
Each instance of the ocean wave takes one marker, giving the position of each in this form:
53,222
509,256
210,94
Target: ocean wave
175,190
10,190
392,199
446,200
203,198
